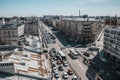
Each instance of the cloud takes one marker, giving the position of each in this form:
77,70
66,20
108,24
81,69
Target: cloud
100,0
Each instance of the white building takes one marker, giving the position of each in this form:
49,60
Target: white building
10,33
24,62
112,46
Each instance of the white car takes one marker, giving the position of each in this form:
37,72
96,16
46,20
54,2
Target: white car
56,75
54,69
65,75
65,64
74,78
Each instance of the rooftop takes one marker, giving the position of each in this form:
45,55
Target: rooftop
26,62
81,19
10,26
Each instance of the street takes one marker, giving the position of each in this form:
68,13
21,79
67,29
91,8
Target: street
77,66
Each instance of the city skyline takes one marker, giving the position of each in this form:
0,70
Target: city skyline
59,7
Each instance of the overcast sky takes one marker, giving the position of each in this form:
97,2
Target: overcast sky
59,7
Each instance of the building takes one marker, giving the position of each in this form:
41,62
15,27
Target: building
10,33
111,21
112,46
32,27
25,63
25,60
79,29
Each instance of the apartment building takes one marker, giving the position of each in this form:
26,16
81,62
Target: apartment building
112,46
32,27
10,33
80,30
111,21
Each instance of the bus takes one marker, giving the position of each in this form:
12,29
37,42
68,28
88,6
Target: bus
73,54
61,56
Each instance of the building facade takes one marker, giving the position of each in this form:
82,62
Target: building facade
32,28
111,21
10,33
83,30
112,46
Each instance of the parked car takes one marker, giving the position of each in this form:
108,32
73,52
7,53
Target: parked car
54,57
55,70
53,50
53,64
58,62
51,58
74,78
60,68
65,64
65,75
56,75
70,72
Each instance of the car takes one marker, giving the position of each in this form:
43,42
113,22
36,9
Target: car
53,64
56,75
54,58
65,75
45,51
54,69
70,72
58,62
74,78
52,61
60,68
53,50
51,58
65,64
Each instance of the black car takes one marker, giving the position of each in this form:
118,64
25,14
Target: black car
60,68
53,50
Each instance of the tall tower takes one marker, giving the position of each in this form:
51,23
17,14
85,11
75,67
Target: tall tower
79,12
3,21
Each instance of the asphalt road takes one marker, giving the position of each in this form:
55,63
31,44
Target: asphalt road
78,67
58,46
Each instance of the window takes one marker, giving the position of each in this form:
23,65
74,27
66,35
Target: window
13,32
4,32
13,36
106,30
118,33
8,32
113,32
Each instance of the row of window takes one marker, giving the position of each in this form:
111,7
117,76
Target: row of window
6,64
8,32
112,32
112,36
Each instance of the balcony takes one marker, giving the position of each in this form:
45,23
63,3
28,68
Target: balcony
118,33
107,31
113,32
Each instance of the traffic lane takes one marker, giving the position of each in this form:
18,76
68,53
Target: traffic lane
59,45
79,70
65,69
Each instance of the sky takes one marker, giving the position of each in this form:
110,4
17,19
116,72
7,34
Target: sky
9,8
